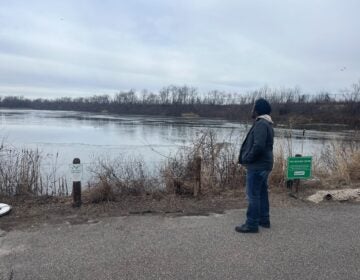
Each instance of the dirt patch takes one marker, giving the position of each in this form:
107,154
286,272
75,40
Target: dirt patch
30,212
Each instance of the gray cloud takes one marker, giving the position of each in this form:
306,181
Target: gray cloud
52,48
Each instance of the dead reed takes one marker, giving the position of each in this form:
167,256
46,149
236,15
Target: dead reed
22,172
339,164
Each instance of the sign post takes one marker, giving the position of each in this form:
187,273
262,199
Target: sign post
76,172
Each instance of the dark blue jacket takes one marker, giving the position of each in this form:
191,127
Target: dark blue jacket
256,152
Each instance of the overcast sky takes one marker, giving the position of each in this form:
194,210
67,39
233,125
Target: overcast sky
84,47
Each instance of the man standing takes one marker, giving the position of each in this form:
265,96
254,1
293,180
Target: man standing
256,154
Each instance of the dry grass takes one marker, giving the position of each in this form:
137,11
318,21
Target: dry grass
339,164
180,175
277,177
22,173
118,177
101,191
354,167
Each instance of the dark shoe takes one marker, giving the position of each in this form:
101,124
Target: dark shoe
245,229
265,225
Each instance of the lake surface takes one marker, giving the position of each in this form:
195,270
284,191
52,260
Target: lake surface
62,135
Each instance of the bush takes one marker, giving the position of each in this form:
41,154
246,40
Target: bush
121,176
218,170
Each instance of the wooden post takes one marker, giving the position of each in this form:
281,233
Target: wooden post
297,181
197,187
76,191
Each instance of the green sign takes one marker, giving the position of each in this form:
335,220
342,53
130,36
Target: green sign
299,167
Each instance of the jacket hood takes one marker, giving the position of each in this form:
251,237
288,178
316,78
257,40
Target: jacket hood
266,117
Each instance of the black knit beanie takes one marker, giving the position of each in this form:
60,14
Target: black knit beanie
262,107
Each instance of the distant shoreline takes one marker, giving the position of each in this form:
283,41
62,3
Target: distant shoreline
293,121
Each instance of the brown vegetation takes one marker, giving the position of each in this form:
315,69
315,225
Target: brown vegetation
119,177
207,167
339,164
22,173
218,170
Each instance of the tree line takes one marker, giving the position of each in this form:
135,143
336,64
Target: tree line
289,105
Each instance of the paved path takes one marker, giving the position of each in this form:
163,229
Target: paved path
304,243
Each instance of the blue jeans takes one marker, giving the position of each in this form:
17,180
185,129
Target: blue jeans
257,194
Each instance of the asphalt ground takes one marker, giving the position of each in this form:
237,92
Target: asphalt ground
321,242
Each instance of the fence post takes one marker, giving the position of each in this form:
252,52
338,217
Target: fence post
197,187
76,190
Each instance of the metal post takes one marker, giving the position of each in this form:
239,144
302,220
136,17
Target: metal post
76,191
302,142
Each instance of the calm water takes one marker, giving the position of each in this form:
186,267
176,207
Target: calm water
62,135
